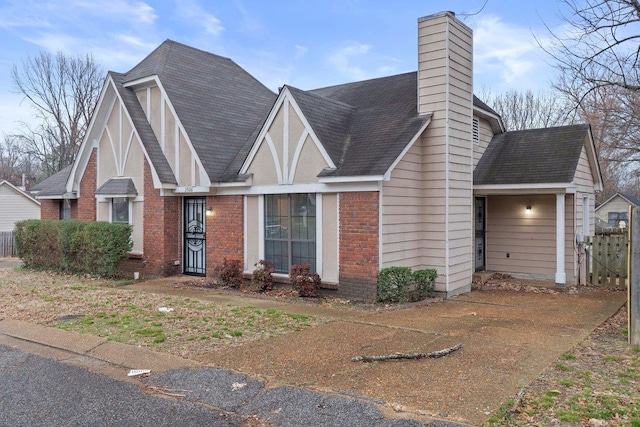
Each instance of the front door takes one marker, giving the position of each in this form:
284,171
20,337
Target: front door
194,236
480,225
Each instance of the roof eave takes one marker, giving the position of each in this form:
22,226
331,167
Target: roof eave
531,188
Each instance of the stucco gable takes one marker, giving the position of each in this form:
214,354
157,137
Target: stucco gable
115,96
287,147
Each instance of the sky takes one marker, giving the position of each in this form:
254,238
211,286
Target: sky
306,44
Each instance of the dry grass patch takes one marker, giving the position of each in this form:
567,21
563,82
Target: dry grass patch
191,327
595,384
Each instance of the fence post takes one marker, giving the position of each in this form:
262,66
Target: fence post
633,302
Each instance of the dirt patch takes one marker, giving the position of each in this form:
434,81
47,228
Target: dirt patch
509,337
596,383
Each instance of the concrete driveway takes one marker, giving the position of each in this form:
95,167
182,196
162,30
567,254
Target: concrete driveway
508,339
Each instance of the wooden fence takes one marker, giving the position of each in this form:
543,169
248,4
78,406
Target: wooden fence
607,260
7,244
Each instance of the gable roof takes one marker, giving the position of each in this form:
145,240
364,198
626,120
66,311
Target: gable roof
145,132
5,183
54,186
632,200
535,156
219,104
363,126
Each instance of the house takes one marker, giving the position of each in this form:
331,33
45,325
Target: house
614,212
17,205
206,163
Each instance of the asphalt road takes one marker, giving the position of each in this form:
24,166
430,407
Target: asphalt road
38,391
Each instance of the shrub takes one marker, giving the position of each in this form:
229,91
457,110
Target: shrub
73,246
399,284
38,244
231,273
263,275
303,281
425,281
393,283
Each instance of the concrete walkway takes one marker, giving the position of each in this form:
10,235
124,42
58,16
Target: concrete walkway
508,339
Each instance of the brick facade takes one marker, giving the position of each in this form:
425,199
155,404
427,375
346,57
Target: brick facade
162,222
49,209
359,245
86,206
225,231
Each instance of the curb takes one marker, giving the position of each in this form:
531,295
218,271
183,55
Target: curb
115,353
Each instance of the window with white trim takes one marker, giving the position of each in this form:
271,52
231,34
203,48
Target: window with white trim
290,230
120,210
476,130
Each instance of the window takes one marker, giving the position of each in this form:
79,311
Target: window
290,230
65,209
615,218
120,210
476,130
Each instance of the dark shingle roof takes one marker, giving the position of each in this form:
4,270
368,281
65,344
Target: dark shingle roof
631,198
118,186
536,156
55,185
219,104
147,136
364,126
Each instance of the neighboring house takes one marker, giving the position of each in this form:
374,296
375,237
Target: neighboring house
16,205
56,204
409,170
614,212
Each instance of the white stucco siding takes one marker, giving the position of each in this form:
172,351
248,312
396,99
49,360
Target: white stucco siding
120,154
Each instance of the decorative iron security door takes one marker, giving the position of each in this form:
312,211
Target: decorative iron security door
194,236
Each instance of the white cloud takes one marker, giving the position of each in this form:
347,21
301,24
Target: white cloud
136,11
343,60
509,54
191,11
300,51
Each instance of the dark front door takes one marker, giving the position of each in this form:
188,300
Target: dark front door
480,225
194,236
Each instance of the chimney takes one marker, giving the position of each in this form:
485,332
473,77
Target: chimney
445,57
445,63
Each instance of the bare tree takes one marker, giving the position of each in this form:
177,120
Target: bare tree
15,165
63,91
527,110
601,46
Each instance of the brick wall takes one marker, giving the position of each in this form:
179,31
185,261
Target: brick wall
225,231
86,207
162,222
49,209
359,254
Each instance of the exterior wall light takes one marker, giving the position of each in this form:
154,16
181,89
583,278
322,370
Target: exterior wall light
209,211
528,209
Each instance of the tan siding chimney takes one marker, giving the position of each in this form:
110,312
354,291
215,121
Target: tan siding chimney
445,89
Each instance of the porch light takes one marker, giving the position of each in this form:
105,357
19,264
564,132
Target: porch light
528,209
209,211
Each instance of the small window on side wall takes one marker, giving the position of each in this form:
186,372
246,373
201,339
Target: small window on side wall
120,210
